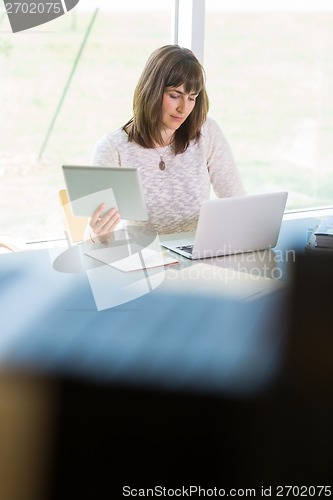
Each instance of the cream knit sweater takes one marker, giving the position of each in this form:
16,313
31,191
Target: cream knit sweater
173,196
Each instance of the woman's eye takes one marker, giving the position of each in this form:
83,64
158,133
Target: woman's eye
174,96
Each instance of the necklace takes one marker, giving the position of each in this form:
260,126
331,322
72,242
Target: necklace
162,162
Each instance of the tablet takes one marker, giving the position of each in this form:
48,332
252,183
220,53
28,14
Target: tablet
118,187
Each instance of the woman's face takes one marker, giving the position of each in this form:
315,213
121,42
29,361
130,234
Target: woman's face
176,107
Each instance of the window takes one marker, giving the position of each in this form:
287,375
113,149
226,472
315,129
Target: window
64,84
269,77
36,90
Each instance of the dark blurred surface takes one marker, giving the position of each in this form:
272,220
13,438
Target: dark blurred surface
113,435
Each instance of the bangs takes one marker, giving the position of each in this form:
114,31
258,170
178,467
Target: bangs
186,72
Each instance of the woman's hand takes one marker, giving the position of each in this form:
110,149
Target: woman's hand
103,225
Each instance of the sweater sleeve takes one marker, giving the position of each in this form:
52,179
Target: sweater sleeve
105,153
223,172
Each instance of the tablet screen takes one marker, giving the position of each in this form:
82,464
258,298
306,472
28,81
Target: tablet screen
117,187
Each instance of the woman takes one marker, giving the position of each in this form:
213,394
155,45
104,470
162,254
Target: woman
180,151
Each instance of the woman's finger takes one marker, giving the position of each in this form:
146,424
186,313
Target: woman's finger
97,214
106,223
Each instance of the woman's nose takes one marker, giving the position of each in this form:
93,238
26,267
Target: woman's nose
181,106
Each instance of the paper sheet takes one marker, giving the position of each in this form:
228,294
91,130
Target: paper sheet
145,259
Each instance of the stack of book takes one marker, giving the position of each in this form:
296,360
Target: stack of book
324,233
321,239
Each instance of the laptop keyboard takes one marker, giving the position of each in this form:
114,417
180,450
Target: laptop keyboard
186,248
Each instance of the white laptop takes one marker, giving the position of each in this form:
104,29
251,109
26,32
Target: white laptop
234,225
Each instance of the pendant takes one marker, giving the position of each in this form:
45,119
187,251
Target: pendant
162,165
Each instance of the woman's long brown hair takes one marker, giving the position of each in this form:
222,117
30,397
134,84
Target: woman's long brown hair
168,66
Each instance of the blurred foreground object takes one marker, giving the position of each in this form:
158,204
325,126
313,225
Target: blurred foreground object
199,391
26,436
